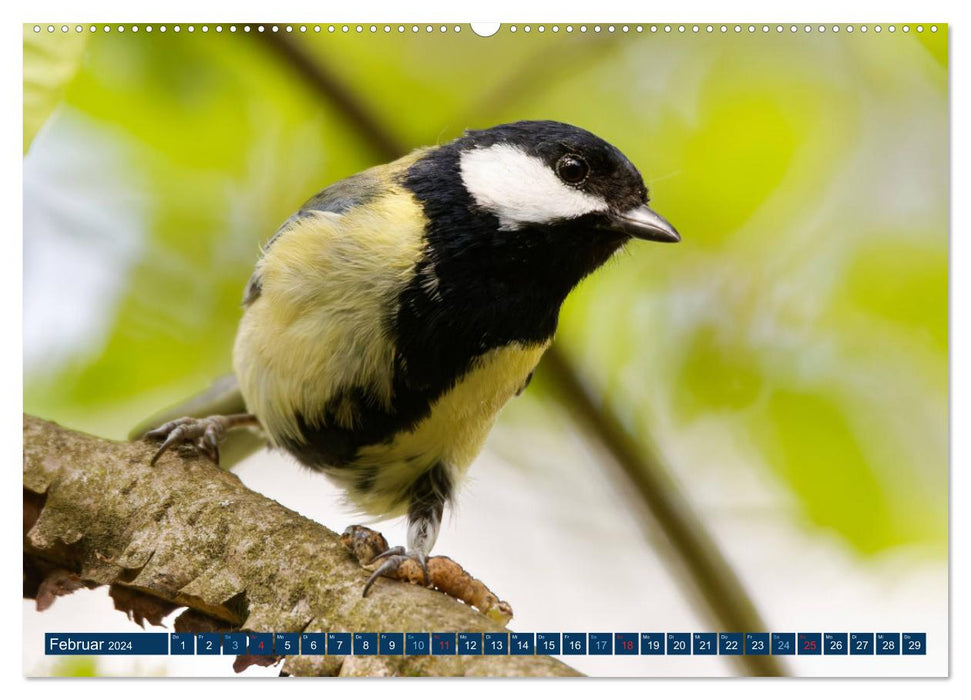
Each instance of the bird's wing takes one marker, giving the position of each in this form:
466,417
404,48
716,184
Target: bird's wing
321,213
339,198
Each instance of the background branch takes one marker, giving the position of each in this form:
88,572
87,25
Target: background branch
708,572
186,533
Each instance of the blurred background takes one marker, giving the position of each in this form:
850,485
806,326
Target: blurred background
786,364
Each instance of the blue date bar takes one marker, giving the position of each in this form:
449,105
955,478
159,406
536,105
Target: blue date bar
106,644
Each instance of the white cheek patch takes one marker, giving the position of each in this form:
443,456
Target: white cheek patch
521,189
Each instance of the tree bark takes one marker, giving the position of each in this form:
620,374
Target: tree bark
186,533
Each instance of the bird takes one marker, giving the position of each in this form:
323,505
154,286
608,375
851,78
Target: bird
393,315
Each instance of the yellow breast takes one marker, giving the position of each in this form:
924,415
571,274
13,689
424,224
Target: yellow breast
454,431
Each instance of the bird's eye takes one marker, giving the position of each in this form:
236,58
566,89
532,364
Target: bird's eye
572,169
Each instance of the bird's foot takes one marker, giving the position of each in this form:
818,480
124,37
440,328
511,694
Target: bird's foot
393,558
445,574
202,434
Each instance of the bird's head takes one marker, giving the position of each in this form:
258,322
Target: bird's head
544,173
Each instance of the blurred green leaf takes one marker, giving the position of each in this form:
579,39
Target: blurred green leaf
935,42
75,667
50,61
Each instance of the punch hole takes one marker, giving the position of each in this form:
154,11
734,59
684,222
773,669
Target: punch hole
933,27
484,29
36,29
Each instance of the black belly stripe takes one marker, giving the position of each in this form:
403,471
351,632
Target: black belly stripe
429,494
328,444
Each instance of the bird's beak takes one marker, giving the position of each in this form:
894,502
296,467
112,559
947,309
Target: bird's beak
644,223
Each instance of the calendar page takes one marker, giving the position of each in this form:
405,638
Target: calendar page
501,350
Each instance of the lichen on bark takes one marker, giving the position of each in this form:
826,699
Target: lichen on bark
186,533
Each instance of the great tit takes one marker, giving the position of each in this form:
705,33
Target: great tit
389,320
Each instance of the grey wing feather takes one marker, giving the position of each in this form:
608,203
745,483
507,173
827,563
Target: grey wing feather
337,199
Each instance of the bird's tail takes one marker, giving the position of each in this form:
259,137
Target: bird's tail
223,397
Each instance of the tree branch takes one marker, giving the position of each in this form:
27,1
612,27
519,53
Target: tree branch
186,533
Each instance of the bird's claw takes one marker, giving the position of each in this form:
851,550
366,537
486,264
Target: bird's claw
203,434
395,557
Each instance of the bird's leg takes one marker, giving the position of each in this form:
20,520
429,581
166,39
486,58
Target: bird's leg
204,434
427,499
